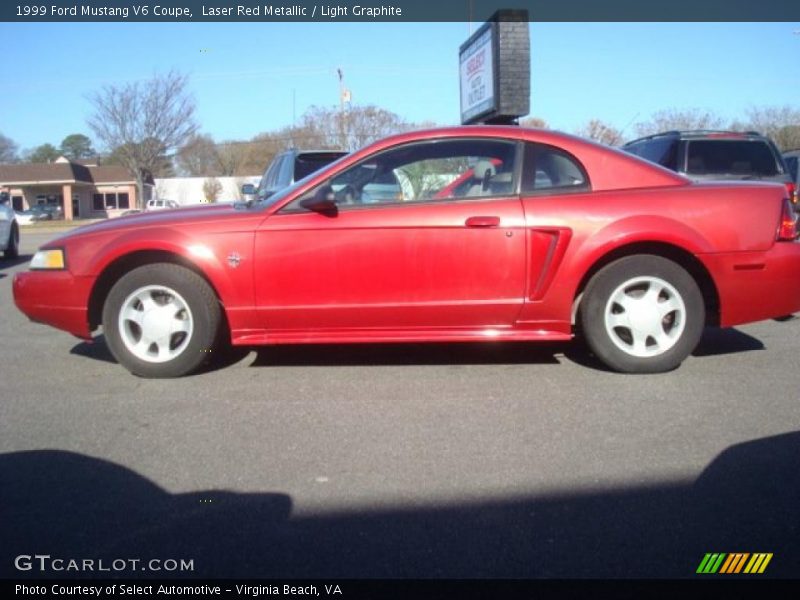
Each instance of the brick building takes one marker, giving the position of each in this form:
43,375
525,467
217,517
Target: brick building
91,191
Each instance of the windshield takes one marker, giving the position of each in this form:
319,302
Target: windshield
283,193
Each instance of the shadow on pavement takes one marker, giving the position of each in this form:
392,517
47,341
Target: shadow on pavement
714,342
9,263
96,349
74,506
407,354
717,341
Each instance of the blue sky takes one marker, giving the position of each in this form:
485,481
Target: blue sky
244,76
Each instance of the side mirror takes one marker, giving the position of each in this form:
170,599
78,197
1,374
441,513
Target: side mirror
248,189
323,202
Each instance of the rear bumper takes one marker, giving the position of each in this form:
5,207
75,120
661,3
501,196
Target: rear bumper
754,286
55,298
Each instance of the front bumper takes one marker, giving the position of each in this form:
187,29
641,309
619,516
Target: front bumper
55,298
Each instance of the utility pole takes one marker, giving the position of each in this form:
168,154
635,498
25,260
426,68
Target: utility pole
344,99
294,117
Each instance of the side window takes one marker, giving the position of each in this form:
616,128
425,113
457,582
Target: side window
791,162
437,170
267,183
660,151
275,178
286,172
633,148
548,168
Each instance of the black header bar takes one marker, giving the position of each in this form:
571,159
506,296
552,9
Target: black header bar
476,11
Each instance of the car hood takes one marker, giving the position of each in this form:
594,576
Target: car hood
159,218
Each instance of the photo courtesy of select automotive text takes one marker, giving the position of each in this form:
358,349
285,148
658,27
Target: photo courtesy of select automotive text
462,299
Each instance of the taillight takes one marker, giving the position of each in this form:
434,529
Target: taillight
787,230
792,189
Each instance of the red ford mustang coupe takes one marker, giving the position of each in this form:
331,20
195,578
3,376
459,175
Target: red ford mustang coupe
543,235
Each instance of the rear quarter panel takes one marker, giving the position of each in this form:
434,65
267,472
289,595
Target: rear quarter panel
702,219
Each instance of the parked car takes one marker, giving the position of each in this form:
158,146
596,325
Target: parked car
705,155
161,204
34,214
9,228
584,238
45,212
25,217
286,168
791,159
40,213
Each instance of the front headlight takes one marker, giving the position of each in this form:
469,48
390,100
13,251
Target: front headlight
48,259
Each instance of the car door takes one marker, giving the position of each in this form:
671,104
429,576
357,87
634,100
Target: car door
418,261
6,218
555,191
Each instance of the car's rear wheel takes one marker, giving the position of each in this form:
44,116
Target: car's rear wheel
642,314
12,248
161,320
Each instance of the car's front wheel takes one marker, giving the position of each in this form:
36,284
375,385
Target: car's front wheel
161,320
642,314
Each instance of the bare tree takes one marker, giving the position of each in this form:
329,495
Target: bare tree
234,158
600,132
8,150
672,119
368,124
348,129
198,157
319,129
162,166
534,122
781,123
141,121
211,189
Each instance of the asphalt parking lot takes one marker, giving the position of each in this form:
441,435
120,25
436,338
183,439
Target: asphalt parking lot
400,461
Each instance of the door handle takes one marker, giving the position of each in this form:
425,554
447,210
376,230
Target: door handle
483,222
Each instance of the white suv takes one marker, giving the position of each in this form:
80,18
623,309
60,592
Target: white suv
161,204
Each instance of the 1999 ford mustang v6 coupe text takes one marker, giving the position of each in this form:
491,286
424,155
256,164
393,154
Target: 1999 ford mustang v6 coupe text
491,233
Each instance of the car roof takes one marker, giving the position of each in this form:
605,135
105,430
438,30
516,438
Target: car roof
297,152
596,157
689,134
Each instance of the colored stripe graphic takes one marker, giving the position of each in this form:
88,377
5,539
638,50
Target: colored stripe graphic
758,563
734,563
711,563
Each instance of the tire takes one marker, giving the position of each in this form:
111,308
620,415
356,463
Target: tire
161,320
12,249
642,314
